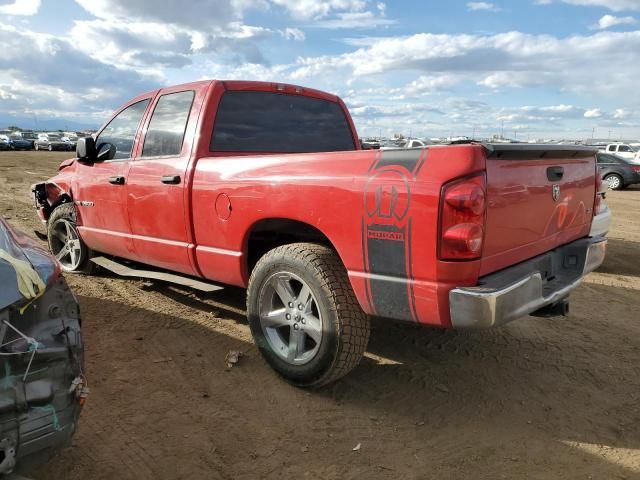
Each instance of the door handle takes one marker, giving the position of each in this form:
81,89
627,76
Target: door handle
555,173
118,180
170,179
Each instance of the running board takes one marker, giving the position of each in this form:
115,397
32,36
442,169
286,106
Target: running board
125,271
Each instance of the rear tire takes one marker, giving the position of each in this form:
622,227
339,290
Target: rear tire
50,148
615,181
36,147
65,242
304,316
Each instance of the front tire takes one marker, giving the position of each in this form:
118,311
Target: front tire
615,181
65,242
304,316
36,147
50,148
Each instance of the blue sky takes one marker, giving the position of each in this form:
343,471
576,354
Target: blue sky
537,68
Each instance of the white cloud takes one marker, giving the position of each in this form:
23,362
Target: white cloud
42,75
608,21
614,5
486,6
593,113
293,34
21,7
354,20
316,9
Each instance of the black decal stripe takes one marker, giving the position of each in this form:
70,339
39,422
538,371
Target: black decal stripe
414,311
365,264
421,162
388,258
403,158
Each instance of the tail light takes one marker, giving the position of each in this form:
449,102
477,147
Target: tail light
599,193
462,218
636,168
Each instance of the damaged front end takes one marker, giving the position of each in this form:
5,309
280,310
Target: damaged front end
42,386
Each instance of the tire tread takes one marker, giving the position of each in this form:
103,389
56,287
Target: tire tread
354,324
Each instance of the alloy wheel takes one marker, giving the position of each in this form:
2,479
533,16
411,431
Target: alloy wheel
614,182
290,318
65,245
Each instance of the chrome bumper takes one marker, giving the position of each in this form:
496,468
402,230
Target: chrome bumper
601,222
526,287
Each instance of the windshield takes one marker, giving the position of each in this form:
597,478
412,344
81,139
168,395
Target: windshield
54,137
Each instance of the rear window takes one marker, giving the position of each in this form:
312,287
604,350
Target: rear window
265,122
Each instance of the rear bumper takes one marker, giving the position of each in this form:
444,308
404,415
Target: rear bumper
524,288
601,222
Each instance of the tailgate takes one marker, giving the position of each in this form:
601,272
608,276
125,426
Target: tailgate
539,197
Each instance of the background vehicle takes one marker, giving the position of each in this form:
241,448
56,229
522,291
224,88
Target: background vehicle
618,172
41,353
4,143
17,142
370,144
405,143
624,151
264,186
52,141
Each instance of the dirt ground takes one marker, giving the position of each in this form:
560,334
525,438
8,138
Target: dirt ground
539,398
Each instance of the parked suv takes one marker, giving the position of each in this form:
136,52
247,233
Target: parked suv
617,171
625,151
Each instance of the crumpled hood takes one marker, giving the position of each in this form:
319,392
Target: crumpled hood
21,247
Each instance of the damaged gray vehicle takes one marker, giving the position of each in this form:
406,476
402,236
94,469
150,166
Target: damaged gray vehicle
42,385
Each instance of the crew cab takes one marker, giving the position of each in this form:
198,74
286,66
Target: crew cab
265,186
625,151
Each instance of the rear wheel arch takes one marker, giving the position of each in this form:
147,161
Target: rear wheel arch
270,233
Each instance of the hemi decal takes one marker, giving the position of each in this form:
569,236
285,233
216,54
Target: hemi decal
386,232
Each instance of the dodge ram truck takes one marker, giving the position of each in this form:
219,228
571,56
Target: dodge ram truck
265,186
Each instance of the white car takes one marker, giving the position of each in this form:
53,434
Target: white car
625,151
411,143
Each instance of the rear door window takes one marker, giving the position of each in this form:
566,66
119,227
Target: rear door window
265,122
167,126
121,131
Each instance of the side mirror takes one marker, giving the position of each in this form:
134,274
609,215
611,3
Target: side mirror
107,151
86,149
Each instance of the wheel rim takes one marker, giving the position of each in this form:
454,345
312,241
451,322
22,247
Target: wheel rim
614,182
290,318
65,245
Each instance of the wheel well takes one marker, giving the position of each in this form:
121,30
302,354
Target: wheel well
271,233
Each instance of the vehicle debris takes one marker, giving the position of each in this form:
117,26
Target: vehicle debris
42,384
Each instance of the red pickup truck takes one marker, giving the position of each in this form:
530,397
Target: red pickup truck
264,186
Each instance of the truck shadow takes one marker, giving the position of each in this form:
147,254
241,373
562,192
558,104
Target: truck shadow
622,258
554,376
535,396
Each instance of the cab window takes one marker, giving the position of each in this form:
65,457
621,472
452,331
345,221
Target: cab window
165,134
120,133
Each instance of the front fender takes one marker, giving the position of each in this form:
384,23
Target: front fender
48,195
